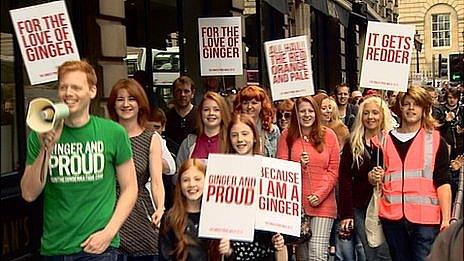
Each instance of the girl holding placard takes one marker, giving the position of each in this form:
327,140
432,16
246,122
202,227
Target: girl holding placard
179,230
243,140
316,148
360,156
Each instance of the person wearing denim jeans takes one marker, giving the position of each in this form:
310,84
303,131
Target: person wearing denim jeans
358,157
111,254
76,167
416,200
409,241
372,253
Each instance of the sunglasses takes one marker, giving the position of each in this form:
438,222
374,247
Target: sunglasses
228,92
285,115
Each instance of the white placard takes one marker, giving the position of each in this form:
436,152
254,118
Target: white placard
279,197
387,56
45,38
289,67
229,206
220,40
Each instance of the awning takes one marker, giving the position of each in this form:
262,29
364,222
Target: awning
331,8
337,11
279,5
319,5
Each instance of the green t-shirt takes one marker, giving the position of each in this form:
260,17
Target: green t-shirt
80,193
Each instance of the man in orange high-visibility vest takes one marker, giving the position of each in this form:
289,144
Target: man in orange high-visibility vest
416,200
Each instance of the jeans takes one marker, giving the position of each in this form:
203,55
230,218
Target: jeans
138,258
109,255
408,241
349,249
381,253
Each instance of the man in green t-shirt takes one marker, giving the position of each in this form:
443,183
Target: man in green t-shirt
76,167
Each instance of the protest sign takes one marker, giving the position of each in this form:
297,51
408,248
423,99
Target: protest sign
387,56
45,38
229,200
279,197
289,67
220,40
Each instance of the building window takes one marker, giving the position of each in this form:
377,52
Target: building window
441,32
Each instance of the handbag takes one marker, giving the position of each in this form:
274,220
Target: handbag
373,227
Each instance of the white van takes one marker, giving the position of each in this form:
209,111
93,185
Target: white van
166,67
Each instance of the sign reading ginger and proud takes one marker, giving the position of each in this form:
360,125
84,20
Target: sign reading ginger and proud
289,67
229,200
45,38
387,56
244,193
220,40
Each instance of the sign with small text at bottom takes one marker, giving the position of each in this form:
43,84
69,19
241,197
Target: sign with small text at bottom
279,196
289,67
220,40
228,205
46,39
387,56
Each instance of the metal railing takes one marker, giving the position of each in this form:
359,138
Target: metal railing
456,213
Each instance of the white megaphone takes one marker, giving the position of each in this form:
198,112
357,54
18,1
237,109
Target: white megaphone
44,115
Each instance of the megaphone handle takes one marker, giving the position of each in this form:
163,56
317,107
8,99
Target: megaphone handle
44,166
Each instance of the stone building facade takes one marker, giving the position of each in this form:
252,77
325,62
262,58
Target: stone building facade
440,27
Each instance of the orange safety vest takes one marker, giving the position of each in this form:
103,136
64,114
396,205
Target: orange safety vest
408,189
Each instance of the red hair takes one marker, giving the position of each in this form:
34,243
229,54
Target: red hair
176,218
255,92
134,89
245,119
316,135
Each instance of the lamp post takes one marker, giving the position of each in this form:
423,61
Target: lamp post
418,46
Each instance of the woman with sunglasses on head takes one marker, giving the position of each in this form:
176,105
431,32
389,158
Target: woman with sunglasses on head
266,246
212,120
253,101
330,118
128,105
284,111
316,148
360,156
179,229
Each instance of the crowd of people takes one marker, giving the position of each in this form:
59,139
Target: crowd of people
130,187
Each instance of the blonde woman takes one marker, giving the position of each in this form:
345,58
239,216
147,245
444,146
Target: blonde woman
359,156
330,117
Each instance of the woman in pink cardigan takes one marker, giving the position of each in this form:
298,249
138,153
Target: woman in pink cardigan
317,149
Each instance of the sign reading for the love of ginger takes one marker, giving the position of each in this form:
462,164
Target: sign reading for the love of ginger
45,38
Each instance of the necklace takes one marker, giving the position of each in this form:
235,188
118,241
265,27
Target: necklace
306,138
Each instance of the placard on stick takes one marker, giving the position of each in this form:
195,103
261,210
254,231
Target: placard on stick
279,197
289,67
387,56
229,200
45,38
220,40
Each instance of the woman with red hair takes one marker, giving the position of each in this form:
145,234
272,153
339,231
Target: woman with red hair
128,105
316,148
179,229
253,101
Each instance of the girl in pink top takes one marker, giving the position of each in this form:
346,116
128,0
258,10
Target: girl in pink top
212,121
317,149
